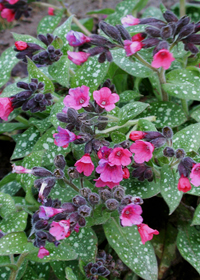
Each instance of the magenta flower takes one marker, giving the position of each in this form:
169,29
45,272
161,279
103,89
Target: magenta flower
126,173
64,137
120,156
105,98
137,135
132,47
76,39
12,2
46,213
85,165
77,98
138,37
109,172
143,151
78,57
104,152
195,175
51,11
43,252
99,183
146,233
60,230
129,20
20,169
8,14
5,108
163,58
130,215
184,184
20,45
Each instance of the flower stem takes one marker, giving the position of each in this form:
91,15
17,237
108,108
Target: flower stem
14,273
162,79
74,187
182,8
22,120
141,59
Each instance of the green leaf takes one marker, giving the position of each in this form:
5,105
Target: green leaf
166,113
99,217
7,205
15,243
42,125
145,125
59,269
14,222
49,23
61,32
35,72
60,71
106,11
87,22
42,269
50,150
70,274
168,187
188,138
188,244
28,39
129,95
63,194
30,274
196,114
183,84
127,243
130,65
118,137
7,61
196,217
153,12
130,111
25,142
91,73
9,185
12,89
8,127
134,29
143,189
156,86
57,108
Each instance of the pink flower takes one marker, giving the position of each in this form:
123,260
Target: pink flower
120,156
143,151
104,152
78,57
20,169
109,172
47,212
99,183
146,233
132,47
60,230
43,252
76,39
64,137
12,2
105,98
8,14
5,108
20,45
136,135
129,20
1,7
163,58
195,175
138,37
51,11
126,174
77,98
184,184
130,215
85,165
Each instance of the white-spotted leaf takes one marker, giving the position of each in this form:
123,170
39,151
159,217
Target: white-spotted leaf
49,23
59,71
130,111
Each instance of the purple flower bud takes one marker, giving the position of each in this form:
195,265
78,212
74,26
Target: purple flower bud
186,31
137,200
23,85
169,16
168,152
112,204
59,161
73,173
126,200
78,200
158,142
41,172
180,153
93,198
124,33
84,192
191,47
69,207
119,193
76,39
152,31
41,224
150,42
166,32
111,31
181,22
84,211
58,173
105,194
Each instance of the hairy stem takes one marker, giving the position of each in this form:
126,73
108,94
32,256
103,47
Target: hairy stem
162,80
74,187
141,59
182,8
22,120
14,273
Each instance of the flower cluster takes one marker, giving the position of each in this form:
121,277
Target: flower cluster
14,9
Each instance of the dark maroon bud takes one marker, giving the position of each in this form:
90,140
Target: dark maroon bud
182,22
150,42
103,271
96,50
192,48
120,208
33,86
50,49
167,132
169,16
73,219
149,135
58,52
186,31
102,255
89,108
41,234
23,85
72,115
111,31
41,172
60,216
184,169
160,46
124,33
81,221
148,20
38,183
119,193
84,211
78,200
168,152
50,181
101,125
152,31
102,58
197,27
126,200
93,198
112,204
148,174
1,233
194,38
62,117
23,95
35,217
41,224
84,192
69,207
31,103
39,242
56,243
180,153
43,39
56,203
100,41
88,147
105,194
93,270
98,143
58,173
188,162
83,138
39,97
59,161
115,273
166,32
125,144
73,173
41,85
109,56
50,237
100,263
158,24
50,38
158,142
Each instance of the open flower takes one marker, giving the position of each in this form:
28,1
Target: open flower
8,14
146,233
5,108
184,184
109,172
99,183
42,252
85,165
143,151
60,230
64,137
163,58
132,47
76,39
195,175
46,213
120,156
78,57
105,98
77,98
131,215
129,20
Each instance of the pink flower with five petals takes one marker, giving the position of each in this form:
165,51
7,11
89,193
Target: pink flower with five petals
76,39
146,233
131,215
78,57
60,230
85,165
46,213
132,47
143,151
105,98
5,108
195,175
99,183
120,156
64,137
163,58
77,98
